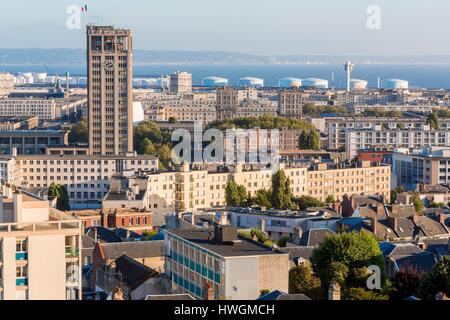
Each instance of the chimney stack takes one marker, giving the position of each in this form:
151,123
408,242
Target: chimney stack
442,218
394,209
262,224
380,210
393,223
298,233
223,219
334,291
118,294
373,225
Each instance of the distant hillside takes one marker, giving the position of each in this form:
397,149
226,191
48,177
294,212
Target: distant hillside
77,56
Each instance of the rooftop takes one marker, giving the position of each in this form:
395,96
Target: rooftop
243,248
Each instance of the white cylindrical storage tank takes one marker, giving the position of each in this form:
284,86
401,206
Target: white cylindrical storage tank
394,84
29,79
39,77
137,82
358,84
290,82
25,74
82,81
250,82
214,82
315,83
50,79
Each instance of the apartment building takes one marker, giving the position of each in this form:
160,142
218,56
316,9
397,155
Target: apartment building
87,177
46,108
343,179
31,141
39,250
233,102
8,173
6,83
180,82
186,107
284,223
336,127
426,166
290,103
222,266
256,108
361,139
110,90
201,187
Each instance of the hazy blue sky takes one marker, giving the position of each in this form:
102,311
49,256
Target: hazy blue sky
252,26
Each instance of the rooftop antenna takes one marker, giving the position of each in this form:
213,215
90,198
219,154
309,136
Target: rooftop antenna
348,68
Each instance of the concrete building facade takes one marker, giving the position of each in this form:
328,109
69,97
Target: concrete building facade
39,250
110,95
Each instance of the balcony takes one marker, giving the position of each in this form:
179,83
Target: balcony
20,282
21,256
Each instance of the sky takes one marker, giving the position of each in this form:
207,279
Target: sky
266,27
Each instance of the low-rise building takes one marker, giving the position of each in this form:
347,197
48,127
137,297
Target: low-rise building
424,166
222,266
87,177
6,83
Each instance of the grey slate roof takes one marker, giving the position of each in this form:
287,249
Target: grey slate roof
243,247
135,250
133,273
430,227
423,262
103,234
313,237
297,252
392,249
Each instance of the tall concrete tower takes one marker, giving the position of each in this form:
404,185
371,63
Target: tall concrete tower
110,91
348,68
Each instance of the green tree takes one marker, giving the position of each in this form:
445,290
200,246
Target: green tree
437,280
355,250
150,130
62,196
147,147
281,191
363,294
336,272
433,121
418,205
165,156
173,120
330,199
302,281
263,198
235,195
53,190
406,283
309,140
305,202
282,242
79,132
